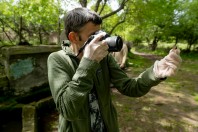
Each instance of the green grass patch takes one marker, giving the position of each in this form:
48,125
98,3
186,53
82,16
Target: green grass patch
137,61
185,80
195,96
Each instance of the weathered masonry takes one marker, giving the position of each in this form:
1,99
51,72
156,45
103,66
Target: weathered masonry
26,67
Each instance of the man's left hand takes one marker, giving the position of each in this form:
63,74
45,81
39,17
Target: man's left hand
169,65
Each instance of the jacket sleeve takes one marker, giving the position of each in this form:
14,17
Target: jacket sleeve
70,88
134,87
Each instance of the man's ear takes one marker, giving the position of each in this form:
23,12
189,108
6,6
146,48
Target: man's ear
73,37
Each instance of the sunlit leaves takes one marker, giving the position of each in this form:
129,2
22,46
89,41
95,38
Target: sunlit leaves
36,15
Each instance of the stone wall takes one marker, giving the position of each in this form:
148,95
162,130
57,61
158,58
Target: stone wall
26,67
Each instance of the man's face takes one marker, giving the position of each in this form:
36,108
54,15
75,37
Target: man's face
85,32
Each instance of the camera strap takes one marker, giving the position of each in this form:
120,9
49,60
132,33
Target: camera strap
85,44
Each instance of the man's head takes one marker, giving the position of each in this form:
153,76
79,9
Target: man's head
77,18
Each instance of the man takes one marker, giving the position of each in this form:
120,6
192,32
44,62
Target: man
79,81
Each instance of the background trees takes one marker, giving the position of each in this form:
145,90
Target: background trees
28,21
135,20
188,23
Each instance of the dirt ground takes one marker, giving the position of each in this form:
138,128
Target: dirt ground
168,107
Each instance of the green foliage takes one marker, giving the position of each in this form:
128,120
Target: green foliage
188,23
196,97
193,55
110,21
38,17
162,19
153,17
137,61
171,21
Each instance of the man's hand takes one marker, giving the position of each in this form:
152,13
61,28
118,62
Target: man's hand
96,49
169,65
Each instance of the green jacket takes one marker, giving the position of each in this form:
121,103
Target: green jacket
71,81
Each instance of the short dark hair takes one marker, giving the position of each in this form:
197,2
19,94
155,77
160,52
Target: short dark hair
75,19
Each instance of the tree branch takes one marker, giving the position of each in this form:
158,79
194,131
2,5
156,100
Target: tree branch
97,5
118,23
117,10
113,28
3,29
105,2
83,3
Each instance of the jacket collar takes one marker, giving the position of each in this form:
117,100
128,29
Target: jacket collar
66,47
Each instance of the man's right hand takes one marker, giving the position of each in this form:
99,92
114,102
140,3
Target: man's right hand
96,50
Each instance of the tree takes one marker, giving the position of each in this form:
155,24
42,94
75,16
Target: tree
30,21
152,18
6,21
188,23
102,7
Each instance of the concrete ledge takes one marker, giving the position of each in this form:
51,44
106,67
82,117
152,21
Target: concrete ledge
26,67
15,50
32,113
4,83
29,118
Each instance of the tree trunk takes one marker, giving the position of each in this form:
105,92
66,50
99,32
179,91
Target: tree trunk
20,29
191,40
154,44
59,30
148,41
176,40
40,35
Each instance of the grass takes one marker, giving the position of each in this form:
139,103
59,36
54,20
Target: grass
187,74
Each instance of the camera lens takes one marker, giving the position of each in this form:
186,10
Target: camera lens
115,43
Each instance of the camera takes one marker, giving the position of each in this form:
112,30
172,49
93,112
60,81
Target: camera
115,43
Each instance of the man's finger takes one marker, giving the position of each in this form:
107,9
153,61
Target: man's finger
98,37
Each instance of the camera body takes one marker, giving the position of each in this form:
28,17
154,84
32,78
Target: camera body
115,43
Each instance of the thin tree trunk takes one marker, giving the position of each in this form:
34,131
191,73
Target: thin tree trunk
40,35
20,29
3,29
154,44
